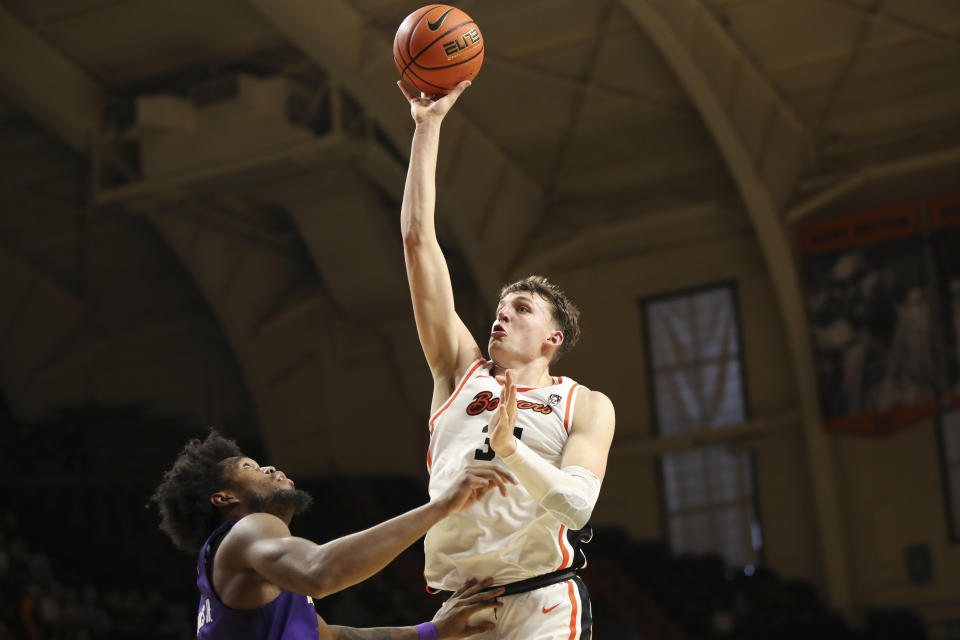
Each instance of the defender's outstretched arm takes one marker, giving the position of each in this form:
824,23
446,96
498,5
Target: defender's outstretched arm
262,542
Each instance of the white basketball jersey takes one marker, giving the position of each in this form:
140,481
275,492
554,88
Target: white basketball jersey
509,538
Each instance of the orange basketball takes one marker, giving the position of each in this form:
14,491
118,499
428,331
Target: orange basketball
436,47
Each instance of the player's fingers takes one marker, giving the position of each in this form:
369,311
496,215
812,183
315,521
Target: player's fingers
499,484
495,469
507,395
508,403
473,587
484,467
491,477
406,92
494,423
495,482
481,487
504,411
460,88
502,479
476,479
470,585
484,482
484,595
486,582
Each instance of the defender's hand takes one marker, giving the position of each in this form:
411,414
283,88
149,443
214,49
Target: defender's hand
453,618
476,481
425,108
504,419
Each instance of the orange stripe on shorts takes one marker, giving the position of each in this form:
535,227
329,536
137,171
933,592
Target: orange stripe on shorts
573,613
563,549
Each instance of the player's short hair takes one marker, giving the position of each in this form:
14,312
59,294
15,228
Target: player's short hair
183,496
565,313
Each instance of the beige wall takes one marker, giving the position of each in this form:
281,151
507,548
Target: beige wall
892,496
890,487
611,358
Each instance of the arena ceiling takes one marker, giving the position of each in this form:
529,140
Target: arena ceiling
201,198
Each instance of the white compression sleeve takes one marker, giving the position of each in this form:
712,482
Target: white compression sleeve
569,493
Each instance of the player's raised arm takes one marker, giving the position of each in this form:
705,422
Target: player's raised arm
447,344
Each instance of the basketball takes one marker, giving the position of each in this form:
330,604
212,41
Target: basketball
436,47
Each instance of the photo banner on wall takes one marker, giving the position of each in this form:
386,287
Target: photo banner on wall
872,304
945,218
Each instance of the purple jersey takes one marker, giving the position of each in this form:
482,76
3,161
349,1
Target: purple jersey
290,616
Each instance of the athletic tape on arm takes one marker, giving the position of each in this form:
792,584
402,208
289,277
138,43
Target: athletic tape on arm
569,493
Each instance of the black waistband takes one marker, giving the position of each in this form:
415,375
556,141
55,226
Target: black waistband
530,584
537,582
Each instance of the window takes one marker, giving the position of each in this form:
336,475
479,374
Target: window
696,373
950,455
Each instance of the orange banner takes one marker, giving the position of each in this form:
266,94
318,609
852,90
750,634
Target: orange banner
946,211
837,234
885,422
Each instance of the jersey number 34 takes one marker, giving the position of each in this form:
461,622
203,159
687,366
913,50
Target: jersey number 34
487,453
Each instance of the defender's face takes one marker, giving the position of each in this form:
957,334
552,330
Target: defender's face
250,488
263,482
524,324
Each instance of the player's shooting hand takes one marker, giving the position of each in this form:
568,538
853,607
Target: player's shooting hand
504,419
425,108
453,618
475,482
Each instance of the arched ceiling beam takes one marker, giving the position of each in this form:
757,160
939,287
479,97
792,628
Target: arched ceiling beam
657,107
289,341
37,317
766,150
846,69
53,89
352,240
919,28
300,357
872,173
241,280
47,85
480,188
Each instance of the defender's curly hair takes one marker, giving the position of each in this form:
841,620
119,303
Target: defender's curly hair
183,497
565,313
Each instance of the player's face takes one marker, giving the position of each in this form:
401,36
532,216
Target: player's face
264,488
523,327
264,481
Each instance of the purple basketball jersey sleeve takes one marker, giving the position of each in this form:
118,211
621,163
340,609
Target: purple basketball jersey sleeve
290,616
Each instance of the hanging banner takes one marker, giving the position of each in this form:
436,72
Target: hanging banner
871,299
